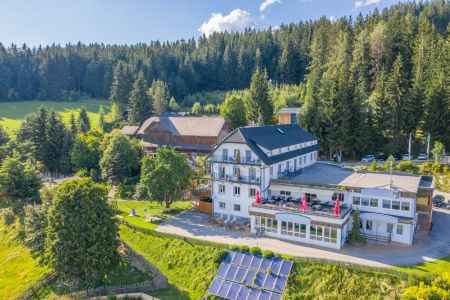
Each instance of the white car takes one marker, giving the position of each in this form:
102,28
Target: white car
407,157
368,158
422,156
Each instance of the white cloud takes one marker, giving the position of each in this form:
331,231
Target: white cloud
237,20
267,3
361,3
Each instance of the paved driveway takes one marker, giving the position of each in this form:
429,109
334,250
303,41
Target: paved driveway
437,245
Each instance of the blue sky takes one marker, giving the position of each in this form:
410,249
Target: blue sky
131,21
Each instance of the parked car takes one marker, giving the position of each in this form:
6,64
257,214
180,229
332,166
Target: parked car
422,156
407,157
397,156
438,200
381,157
368,158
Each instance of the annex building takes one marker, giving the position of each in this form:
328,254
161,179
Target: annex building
308,201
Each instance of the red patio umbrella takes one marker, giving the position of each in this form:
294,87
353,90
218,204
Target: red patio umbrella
337,209
258,198
304,203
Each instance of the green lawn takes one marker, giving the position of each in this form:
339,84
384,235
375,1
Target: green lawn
189,268
152,209
436,267
18,270
12,113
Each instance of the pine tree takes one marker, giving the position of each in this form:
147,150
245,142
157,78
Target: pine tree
101,118
395,94
259,102
159,95
83,122
73,125
121,85
140,105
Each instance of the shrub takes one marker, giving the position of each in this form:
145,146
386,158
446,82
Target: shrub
244,248
125,191
407,166
355,236
255,250
268,253
7,215
234,247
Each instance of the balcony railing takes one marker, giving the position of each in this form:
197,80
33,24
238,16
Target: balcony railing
235,160
323,211
239,179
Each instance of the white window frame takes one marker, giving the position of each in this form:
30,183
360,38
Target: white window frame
238,189
222,205
236,206
222,189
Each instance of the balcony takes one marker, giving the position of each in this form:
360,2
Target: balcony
235,160
238,179
324,210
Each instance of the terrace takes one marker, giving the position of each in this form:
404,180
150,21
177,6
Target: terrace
314,207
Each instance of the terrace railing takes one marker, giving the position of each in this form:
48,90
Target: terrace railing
309,210
289,174
235,160
238,179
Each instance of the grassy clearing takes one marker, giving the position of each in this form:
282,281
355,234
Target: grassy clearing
189,268
315,280
12,113
148,208
18,270
436,267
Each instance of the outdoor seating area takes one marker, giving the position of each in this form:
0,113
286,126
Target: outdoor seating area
230,223
314,206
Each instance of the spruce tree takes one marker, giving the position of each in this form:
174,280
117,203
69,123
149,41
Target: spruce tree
83,122
140,105
34,130
259,103
121,85
73,125
159,95
4,138
101,118
59,142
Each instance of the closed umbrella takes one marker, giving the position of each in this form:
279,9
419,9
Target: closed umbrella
304,203
258,198
337,209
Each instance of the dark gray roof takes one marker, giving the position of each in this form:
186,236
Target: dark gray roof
273,137
276,136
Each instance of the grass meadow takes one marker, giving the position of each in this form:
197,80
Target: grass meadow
12,113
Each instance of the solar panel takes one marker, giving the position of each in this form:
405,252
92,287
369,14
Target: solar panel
244,276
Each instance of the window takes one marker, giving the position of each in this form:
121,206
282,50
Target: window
405,206
310,197
252,192
279,168
339,196
333,235
302,230
222,205
304,160
248,155
287,165
373,202
395,204
221,172
356,200
237,190
399,229
271,225
252,173
300,161
287,228
311,156
237,207
369,224
271,170
386,203
235,171
287,193
312,232
225,154
319,233
326,234
365,201
389,227
221,189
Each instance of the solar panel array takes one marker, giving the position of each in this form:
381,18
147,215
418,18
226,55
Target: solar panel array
244,276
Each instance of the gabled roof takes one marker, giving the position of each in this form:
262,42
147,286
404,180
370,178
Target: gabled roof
187,126
129,130
272,137
276,136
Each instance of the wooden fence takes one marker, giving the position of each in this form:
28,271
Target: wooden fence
118,289
38,289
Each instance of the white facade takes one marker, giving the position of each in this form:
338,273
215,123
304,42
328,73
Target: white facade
233,196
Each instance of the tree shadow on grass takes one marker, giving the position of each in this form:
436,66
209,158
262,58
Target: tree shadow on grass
170,293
